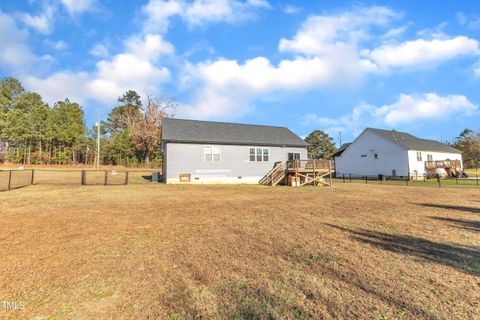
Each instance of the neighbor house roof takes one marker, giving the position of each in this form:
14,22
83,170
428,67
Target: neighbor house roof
341,149
194,131
410,142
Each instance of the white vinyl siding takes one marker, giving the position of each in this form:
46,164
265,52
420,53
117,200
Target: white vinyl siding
235,165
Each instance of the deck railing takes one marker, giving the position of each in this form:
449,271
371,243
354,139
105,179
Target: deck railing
442,164
309,164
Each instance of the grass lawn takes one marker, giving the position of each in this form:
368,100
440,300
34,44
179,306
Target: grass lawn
353,251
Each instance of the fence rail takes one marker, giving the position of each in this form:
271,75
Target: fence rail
14,179
472,182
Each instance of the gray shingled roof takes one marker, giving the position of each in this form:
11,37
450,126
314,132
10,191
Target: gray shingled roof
410,142
194,131
341,149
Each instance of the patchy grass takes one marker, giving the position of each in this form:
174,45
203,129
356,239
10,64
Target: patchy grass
240,252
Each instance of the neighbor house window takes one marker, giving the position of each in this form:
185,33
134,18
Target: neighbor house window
293,156
429,157
419,156
259,154
212,153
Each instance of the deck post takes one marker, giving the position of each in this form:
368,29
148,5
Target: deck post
10,180
314,173
330,173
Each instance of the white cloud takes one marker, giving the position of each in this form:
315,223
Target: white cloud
57,45
471,22
136,68
15,54
100,50
198,12
420,52
407,109
410,108
326,49
394,32
75,7
325,34
43,22
290,9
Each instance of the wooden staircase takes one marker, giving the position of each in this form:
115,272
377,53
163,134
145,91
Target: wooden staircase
274,176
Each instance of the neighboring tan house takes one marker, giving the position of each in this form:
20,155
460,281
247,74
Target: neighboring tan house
216,152
393,153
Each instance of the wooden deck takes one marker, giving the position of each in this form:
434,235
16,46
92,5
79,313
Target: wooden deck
444,164
299,173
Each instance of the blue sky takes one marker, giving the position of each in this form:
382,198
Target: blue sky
338,66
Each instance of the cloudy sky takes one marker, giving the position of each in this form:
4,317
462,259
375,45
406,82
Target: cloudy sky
338,66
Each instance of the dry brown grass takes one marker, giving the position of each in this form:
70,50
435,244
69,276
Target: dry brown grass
241,252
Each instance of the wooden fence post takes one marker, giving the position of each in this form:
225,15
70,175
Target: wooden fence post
105,182
83,178
33,177
126,177
344,178
10,180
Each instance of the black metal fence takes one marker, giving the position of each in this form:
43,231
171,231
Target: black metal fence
14,179
472,182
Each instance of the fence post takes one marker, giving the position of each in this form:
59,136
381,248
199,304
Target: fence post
126,177
33,176
83,178
407,179
438,180
350,177
105,182
344,178
366,179
456,179
10,180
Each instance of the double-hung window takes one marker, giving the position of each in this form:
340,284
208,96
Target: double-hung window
429,157
212,153
259,154
419,156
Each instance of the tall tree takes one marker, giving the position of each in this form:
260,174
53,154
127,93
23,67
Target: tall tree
321,145
469,143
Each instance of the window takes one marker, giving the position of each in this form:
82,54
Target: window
212,153
293,156
265,155
429,157
259,154
375,156
252,154
419,156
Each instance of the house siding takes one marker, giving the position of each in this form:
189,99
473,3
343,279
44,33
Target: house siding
185,158
359,158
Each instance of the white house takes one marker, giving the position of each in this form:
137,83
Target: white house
218,152
392,153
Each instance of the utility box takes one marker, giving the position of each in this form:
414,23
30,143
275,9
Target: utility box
156,177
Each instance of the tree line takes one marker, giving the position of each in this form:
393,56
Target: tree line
33,132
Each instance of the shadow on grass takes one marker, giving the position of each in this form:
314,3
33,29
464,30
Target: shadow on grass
447,207
465,259
471,225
